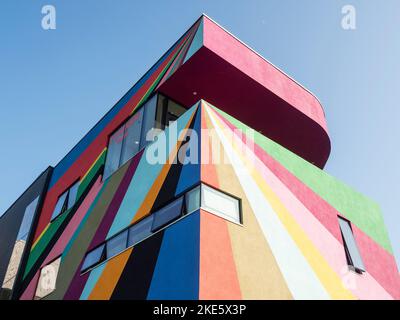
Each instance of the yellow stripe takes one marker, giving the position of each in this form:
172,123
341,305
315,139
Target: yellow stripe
41,235
328,277
94,163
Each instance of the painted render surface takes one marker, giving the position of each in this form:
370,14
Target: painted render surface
289,245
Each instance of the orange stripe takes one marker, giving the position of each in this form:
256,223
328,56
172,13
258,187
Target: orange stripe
155,188
208,171
218,276
109,278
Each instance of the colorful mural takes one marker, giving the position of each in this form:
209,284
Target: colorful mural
288,244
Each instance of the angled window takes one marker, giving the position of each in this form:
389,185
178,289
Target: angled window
94,257
48,279
117,244
352,253
140,230
220,204
27,220
73,192
61,205
167,214
66,201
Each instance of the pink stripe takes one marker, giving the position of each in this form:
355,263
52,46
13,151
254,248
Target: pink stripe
74,223
30,290
365,286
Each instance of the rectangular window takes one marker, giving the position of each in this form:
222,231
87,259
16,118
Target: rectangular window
114,152
352,253
48,279
94,257
132,136
149,121
167,214
220,203
131,143
117,244
140,230
193,200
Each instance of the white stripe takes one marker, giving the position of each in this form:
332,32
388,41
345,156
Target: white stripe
299,276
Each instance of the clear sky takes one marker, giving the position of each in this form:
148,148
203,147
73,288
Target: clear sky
55,85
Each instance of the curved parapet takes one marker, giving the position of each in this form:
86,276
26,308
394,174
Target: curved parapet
223,70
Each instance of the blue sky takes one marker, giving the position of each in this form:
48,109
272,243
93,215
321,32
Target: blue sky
55,85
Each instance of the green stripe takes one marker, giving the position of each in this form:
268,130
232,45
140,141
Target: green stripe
359,209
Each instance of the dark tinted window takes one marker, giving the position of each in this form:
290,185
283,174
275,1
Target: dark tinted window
117,244
94,257
167,214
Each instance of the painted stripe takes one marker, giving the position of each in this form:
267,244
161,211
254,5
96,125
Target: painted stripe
302,281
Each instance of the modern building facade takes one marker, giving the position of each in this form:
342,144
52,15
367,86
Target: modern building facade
204,181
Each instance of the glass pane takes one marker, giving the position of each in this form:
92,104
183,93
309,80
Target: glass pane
48,279
161,105
174,111
59,206
351,244
220,203
93,257
114,152
131,142
193,200
140,231
167,214
117,244
149,120
27,220
73,191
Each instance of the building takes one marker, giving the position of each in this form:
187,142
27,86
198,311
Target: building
205,181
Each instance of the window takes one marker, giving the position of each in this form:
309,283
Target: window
114,152
131,143
193,200
167,214
202,196
167,111
66,201
352,253
94,257
48,279
117,244
149,121
220,204
140,230
27,220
